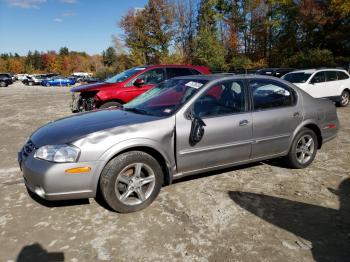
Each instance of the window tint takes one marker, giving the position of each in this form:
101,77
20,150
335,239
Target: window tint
342,75
270,94
222,99
331,75
154,76
318,78
174,72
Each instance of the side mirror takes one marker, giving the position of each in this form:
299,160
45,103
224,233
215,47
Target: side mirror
197,130
139,82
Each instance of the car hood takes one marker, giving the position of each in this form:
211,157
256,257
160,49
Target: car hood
301,85
93,87
70,129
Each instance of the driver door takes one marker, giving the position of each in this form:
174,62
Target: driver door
151,77
317,85
227,131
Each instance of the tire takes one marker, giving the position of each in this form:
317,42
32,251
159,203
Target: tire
30,83
47,84
110,105
3,84
302,146
122,186
344,99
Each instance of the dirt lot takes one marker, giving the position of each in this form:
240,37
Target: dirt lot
260,212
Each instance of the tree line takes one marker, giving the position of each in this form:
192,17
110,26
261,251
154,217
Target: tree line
222,34
232,34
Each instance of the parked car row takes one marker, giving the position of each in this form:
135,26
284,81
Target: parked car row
326,83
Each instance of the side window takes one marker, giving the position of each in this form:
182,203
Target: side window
318,78
342,75
331,75
270,94
153,76
174,72
221,99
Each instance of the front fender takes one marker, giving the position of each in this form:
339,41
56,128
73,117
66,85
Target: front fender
135,143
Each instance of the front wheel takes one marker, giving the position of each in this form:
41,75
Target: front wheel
47,84
131,181
344,99
303,149
3,84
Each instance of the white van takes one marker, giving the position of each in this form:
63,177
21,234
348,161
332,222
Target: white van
333,84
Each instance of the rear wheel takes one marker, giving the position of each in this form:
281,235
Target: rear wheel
303,149
30,83
47,84
131,181
110,105
344,99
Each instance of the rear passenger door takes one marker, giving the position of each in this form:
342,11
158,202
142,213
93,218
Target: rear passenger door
276,114
332,84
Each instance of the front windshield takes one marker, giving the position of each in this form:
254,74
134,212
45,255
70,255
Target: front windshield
297,77
166,98
124,75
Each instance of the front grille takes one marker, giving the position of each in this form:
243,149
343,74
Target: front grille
28,148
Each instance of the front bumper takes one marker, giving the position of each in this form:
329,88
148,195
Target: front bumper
50,181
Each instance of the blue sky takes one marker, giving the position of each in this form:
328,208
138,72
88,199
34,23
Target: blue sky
80,25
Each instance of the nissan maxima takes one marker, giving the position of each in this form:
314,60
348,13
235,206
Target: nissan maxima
183,126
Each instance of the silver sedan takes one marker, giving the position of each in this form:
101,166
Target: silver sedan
184,126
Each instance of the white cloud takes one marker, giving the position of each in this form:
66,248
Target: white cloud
58,20
69,1
26,3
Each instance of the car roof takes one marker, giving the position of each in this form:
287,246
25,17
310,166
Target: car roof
169,65
225,76
310,71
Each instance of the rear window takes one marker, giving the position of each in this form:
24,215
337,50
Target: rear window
342,75
297,77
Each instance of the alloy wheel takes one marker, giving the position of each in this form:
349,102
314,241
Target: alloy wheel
345,98
305,149
134,184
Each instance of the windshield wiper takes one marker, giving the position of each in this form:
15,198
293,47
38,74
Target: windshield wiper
136,110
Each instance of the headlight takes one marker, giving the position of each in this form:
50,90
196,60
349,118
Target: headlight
58,153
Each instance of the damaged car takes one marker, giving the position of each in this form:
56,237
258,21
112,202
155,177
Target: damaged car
183,126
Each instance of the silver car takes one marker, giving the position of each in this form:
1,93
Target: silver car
184,126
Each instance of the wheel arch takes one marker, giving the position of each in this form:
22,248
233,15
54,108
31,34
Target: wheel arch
145,146
310,125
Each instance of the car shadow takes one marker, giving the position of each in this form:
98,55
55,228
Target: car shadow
57,203
327,229
36,253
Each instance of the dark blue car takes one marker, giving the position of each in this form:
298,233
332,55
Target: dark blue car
58,81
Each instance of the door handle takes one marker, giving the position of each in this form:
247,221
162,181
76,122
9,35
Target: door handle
243,122
296,114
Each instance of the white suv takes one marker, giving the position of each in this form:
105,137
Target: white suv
329,83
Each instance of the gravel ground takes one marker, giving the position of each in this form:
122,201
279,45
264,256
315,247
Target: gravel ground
259,212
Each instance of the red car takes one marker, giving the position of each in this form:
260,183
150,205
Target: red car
125,86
